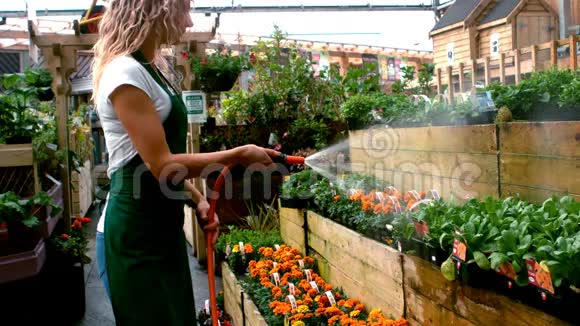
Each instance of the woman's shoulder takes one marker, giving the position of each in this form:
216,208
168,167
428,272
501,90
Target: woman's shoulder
123,64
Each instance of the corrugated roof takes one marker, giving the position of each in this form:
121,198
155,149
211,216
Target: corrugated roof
456,13
9,62
501,10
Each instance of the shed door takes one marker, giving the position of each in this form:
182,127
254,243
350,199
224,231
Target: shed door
533,30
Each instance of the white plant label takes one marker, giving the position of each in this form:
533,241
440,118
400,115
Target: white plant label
314,286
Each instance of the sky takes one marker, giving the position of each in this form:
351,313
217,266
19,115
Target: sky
390,29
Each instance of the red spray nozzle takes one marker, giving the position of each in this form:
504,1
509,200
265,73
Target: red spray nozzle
289,159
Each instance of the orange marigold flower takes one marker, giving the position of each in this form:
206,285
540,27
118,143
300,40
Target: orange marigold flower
336,198
248,248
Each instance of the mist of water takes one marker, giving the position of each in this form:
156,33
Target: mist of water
330,162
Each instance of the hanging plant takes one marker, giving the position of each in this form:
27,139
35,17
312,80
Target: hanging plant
219,71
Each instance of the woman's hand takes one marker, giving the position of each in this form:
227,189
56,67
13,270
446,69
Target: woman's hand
252,154
209,223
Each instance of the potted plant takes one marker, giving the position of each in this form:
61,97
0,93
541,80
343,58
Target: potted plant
219,71
296,189
41,79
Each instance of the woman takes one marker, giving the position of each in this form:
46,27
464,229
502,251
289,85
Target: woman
145,126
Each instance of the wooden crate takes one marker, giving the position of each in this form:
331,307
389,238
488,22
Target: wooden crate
82,189
237,303
18,171
540,159
458,161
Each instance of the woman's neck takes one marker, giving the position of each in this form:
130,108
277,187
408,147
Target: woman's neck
148,49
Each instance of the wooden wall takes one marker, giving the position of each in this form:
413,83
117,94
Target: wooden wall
237,303
474,161
459,162
460,38
505,39
540,159
403,285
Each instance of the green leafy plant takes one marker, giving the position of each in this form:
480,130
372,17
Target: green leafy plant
298,185
73,246
220,66
262,217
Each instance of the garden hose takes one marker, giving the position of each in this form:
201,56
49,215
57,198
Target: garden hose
211,229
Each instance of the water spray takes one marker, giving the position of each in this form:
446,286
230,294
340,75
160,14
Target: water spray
211,229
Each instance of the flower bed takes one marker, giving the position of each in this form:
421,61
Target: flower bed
428,297
285,287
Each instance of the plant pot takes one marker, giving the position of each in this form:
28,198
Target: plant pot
486,117
215,83
428,252
293,202
18,140
22,238
552,112
46,95
475,277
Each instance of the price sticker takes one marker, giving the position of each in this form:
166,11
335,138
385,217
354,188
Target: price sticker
291,288
301,263
308,275
539,276
330,297
314,286
459,249
276,278
290,299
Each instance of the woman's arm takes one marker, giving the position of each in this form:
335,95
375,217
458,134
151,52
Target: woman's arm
137,113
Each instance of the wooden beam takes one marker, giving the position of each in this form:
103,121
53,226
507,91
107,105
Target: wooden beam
516,10
438,80
473,45
461,77
16,155
473,73
517,65
502,68
492,24
487,72
554,54
445,29
573,53
534,57
514,34
14,34
450,89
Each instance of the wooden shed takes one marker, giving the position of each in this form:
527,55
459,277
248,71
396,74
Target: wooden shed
472,29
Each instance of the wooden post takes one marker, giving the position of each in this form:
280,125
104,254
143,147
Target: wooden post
461,77
573,53
534,57
61,61
438,80
450,89
554,54
473,73
502,68
517,65
487,72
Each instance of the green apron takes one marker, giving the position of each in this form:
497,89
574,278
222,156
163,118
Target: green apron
146,252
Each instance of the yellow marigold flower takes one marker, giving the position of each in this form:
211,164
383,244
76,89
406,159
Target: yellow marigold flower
298,323
354,313
303,309
236,248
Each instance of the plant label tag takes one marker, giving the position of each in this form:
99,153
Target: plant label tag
301,263
415,195
507,269
291,288
276,278
396,204
308,275
330,297
242,251
380,196
277,246
399,246
228,250
435,195
275,264
206,306
314,286
538,276
459,249
292,302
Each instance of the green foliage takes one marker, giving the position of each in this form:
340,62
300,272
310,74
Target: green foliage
356,110
262,217
426,73
362,80
256,238
571,93
309,133
297,186
14,209
73,246
218,63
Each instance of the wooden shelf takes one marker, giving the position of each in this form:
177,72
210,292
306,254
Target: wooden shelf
22,265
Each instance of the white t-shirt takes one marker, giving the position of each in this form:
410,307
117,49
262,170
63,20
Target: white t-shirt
124,71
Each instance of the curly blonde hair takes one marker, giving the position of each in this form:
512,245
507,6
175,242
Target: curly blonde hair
127,23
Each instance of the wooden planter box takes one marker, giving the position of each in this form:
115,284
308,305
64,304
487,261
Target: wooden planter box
22,265
18,170
82,189
399,284
47,218
237,303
